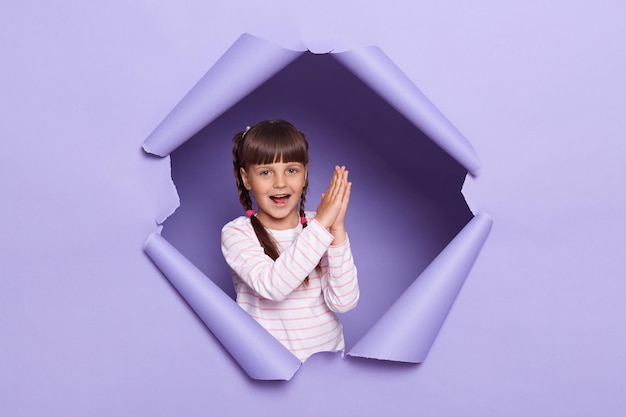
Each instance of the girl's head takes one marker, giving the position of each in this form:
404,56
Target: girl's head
267,142
271,160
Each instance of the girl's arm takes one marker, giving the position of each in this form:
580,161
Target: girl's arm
273,280
340,284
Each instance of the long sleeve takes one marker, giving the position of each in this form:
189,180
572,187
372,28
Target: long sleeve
301,317
273,280
340,285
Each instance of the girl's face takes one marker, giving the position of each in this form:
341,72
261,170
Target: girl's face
277,188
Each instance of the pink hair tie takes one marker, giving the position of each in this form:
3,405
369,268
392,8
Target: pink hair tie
249,213
302,220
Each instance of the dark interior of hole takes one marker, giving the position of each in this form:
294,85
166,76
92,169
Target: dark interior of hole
406,203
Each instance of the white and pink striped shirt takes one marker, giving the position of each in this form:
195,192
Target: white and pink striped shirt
300,316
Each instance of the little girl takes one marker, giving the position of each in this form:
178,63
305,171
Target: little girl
291,269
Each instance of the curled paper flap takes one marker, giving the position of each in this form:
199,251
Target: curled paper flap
257,352
383,76
406,332
247,64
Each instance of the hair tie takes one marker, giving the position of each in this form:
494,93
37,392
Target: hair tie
249,213
303,220
245,131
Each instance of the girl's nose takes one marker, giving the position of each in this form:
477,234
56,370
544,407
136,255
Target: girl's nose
279,181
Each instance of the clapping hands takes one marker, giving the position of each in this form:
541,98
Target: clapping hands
331,212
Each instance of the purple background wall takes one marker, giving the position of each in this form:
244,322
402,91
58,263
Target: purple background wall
401,176
88,326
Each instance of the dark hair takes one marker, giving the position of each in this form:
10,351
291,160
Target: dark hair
267,142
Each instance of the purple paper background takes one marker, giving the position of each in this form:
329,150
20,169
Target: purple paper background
346,123
89,326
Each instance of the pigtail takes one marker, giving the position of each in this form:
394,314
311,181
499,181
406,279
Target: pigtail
303,218
244,195
302,214
265,239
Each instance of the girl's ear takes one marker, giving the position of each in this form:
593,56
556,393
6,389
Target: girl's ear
244,178
306,174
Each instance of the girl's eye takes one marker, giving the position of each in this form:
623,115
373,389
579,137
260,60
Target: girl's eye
292,170
264,173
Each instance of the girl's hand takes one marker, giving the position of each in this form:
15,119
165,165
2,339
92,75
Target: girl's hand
331,211
338,228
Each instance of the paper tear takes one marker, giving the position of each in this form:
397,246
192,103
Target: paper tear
169,200
243,67
225,84
166,197
257,352
384,77
251,61
467,191
406,332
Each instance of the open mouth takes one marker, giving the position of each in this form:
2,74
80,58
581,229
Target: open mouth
280,199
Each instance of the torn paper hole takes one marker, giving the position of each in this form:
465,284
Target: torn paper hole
406,160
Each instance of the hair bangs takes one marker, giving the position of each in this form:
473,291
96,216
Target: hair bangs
277,141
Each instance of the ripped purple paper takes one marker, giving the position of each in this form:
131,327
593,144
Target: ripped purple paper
259,354
251,61
248,63
407,331
383,76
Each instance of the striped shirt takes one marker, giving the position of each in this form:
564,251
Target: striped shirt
299,315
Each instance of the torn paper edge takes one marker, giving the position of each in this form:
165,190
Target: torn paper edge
259,354
169,199
247,64
385,78
251,61
407,330
229,81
